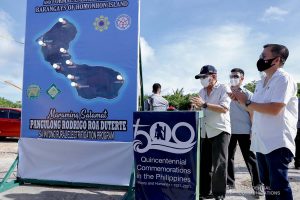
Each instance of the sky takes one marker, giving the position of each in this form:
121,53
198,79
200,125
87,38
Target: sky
178,38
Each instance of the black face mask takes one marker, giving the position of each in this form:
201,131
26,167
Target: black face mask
263,65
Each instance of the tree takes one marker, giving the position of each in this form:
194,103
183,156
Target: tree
179,100
250,86
9,104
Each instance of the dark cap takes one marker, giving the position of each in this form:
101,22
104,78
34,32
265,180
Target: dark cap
205,70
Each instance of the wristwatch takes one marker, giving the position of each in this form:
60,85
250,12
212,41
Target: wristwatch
248,102
204,105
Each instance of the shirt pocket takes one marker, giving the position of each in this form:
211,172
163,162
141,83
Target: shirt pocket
267,94
262,95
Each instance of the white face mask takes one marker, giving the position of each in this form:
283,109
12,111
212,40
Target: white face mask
234,81
205,82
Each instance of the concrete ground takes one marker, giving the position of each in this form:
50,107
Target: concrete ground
8,152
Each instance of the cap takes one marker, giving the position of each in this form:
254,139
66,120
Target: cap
205,70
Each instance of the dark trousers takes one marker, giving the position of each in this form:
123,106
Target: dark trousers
244,141
273,170
213,165
297,155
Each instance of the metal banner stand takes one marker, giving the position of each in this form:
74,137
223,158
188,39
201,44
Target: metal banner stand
5,185
129,195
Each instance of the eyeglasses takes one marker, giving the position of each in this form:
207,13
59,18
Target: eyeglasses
234,76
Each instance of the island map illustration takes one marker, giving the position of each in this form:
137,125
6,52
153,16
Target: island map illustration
89,81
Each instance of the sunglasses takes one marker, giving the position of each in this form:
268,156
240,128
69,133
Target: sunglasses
234,76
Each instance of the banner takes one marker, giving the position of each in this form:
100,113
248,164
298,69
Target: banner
80,77
165,151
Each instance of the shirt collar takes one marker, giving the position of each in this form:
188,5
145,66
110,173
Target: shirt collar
277,73
217,84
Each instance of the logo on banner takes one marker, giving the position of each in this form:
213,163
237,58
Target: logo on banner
53,91
101,23
123,22
162,137
33,91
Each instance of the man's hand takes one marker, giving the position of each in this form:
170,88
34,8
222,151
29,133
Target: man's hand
240,96
197,102
231,96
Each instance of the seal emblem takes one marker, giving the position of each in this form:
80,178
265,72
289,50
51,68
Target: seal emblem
101,23
123,22
33,91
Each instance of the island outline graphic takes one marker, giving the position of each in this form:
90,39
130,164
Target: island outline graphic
89,81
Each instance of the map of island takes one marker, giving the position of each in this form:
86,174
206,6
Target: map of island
89,81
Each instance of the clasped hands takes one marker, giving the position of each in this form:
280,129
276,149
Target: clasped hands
237,95
197,102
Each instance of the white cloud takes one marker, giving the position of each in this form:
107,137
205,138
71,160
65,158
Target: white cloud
176,62
274,14
148,51
11,59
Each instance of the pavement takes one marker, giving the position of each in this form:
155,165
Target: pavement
8,153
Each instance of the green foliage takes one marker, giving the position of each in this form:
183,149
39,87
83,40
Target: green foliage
9,104
250,86
179,100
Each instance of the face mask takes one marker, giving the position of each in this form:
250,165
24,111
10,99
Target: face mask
234,81
263,65
205,82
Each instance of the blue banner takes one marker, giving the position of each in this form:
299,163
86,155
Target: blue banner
80,69
165,151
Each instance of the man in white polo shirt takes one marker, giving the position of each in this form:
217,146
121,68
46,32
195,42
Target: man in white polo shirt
215,136
274,127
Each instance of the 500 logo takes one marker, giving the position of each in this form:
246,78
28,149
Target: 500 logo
159,138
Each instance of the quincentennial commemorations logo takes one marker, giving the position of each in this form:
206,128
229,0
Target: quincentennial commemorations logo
123,22
33,91
162,137
101,23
